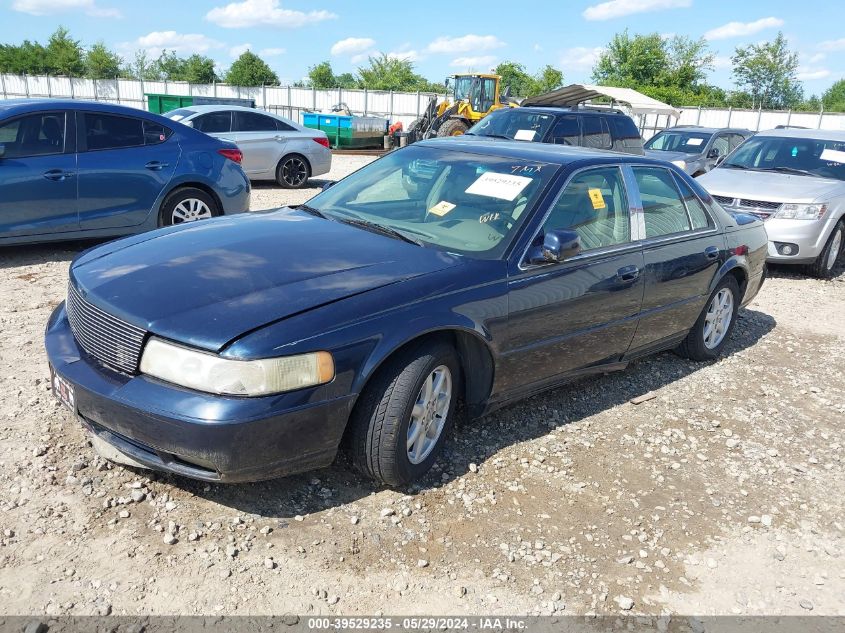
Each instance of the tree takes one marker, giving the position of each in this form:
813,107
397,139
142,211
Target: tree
768,71
64,54
513,74
387,72
834,97
548,79
250,70
101,63
28,58
346,80
141,68
322,76
688,62
635,61
198,69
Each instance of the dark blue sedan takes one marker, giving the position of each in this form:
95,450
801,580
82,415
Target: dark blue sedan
81,169
455,269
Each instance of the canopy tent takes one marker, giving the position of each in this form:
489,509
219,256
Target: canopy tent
574,94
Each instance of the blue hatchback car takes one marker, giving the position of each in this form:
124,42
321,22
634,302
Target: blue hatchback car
453,269
81,169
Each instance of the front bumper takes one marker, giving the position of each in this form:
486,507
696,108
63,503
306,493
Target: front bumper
203,436
809,236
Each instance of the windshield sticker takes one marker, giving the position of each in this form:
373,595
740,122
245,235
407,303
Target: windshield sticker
176,117
832,155
489,217
524,135
597,199
695,141
441,208
502,186
526,169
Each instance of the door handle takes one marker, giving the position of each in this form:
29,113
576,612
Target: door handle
57,174
279,137
628,273
155,165
711,252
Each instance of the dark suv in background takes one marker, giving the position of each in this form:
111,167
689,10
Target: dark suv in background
596,128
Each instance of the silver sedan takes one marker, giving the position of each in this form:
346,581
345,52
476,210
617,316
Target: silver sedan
274,148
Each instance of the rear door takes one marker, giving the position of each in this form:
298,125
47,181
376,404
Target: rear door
565,131
38,174
261,140
583,311
125,163
682,249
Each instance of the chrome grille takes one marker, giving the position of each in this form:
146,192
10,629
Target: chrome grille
110,340
759,204
724,200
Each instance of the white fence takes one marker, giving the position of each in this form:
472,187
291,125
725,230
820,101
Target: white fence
285,100
397,106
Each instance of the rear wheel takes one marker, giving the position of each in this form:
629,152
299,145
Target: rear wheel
826,262
188,204
453,127
401,420
293,172
713,328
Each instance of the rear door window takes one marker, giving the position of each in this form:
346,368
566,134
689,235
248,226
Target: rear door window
596,132
254,122
625,133
34,135
281,126
722,145
155,133
566,131
214,122
663,209
698,215
108,131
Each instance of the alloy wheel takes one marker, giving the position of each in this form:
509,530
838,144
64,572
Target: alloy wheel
428,417
190,210
294,171
835,248
717,321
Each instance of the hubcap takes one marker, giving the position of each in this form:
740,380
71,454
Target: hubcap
190,210
835,247
718,318
428,417
294,171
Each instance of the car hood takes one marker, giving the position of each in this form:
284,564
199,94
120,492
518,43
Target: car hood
670,156
770,186
208,283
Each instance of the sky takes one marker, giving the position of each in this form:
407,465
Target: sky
292,35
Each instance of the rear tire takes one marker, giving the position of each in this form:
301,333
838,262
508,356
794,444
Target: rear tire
825,264
293,171
715,324
394,402
187,204
453,127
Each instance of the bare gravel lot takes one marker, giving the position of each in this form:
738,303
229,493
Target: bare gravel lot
722,494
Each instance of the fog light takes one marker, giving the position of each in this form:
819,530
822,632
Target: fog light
786,249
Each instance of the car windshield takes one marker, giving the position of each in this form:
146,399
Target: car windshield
455,201
822,158
687,142
179,113
517,123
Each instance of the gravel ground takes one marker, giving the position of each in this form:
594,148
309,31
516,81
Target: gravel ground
721,494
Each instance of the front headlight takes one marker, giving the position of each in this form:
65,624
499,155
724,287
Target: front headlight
680,163
208,372
801,211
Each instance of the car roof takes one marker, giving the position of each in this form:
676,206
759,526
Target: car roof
706,130
14,106
827,135
539,152
217,107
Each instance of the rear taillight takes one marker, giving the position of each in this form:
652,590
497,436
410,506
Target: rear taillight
232,154
322,141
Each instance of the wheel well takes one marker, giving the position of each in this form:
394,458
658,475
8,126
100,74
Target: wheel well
194,185
741,279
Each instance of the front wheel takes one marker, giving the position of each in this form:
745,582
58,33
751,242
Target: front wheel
713,328
401,420
453,127
187,205
826,262
293,172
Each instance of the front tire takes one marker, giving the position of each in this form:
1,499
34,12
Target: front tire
826,262
402,418
293,172
453,127
187,204
715,324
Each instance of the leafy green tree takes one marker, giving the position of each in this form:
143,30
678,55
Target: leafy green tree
548,79
142,68
813,104
28,58
386,72
101,63
769,73
513,74
628,61
322,76
250,70
688,62
346,80
833,98
199,69
65,55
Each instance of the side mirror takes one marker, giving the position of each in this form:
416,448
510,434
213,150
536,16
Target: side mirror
2,150
328,183
558,245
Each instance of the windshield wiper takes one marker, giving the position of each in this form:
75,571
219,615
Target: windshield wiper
735,166
788,170
311,210
381,228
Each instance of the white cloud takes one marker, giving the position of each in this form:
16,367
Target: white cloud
409,55
481,62
50,7
352,46
815,59
255,13
741,29
157,41
833,45
272,52
618,8
362,57
240,49
465,44
809,73
722,61
580,58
